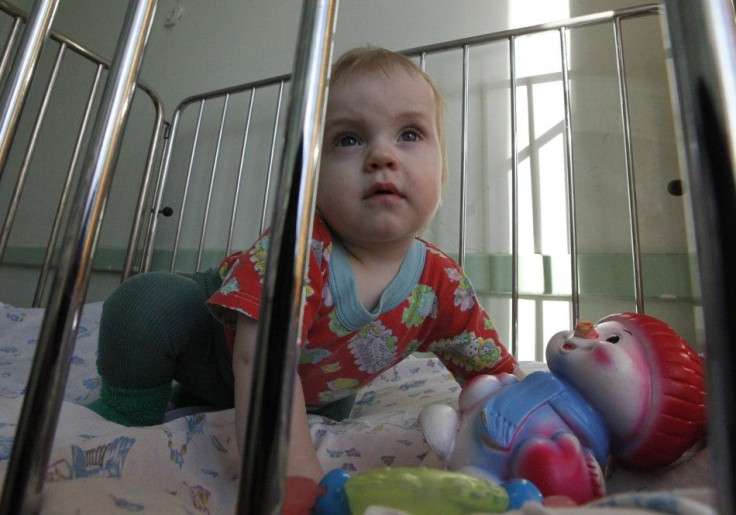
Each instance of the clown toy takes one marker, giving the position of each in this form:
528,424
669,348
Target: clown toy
629,387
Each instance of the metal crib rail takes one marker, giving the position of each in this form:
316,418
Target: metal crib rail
26,471
262,484
200,102
703,73
466,45
614,18
25,64
14,95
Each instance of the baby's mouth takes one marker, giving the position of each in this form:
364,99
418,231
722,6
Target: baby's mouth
382,189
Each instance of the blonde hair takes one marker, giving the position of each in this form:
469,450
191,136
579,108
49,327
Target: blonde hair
372,59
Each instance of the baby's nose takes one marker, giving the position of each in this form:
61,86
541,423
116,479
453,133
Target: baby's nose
381,156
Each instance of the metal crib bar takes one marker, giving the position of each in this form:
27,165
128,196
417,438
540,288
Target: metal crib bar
213,176
264,457
169,145
19,18
703,74
271,156
569,167
25,165
63,198
630,177
464,159
9,44
19,81
514,201
161,176
135,232
239,178
39,414
187,184
578,21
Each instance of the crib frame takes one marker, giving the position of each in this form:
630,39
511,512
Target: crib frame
200,102
705,96
39,415
27,65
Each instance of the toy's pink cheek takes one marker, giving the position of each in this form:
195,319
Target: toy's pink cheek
601,356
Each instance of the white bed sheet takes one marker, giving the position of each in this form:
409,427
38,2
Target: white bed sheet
189,464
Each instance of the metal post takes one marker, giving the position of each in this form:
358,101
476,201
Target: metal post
39,415
27,158
241,164
262,484
19,80
628,157
146,181
703,39
272,155
463,229
514,200
569,166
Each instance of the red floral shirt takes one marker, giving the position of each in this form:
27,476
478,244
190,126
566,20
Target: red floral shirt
431,308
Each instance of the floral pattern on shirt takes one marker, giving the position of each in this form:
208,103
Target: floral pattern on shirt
374,348
440,314
422,304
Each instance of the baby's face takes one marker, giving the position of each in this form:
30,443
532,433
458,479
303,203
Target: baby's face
381,165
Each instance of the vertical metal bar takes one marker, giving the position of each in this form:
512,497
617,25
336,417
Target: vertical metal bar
464,158
9,44
158,192
135,231
26,164
239,180
703,75
21,74
514,202
630,177
271,156
39,414
213,176
185,195
63,198
575,293
264,463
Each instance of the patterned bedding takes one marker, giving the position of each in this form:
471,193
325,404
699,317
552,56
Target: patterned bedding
189,464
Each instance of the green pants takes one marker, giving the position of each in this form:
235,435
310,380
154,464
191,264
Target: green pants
156,329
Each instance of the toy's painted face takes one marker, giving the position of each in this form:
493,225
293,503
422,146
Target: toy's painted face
608,366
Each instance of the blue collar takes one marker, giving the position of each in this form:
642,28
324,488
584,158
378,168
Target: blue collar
350,312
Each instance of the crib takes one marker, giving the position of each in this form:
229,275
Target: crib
197,202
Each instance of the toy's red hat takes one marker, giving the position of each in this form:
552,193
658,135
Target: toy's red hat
677,401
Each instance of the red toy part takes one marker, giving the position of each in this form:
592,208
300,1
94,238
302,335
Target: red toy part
678,395
301,495
559,466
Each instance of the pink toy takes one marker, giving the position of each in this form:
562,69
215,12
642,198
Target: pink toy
629,386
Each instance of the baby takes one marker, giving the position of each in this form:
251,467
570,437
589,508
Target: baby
375,291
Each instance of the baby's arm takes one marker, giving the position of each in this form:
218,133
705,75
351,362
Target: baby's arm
302,456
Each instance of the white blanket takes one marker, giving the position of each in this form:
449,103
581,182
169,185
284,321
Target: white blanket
189,464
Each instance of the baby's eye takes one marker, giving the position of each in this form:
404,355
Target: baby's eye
347,140
613,339
410,135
